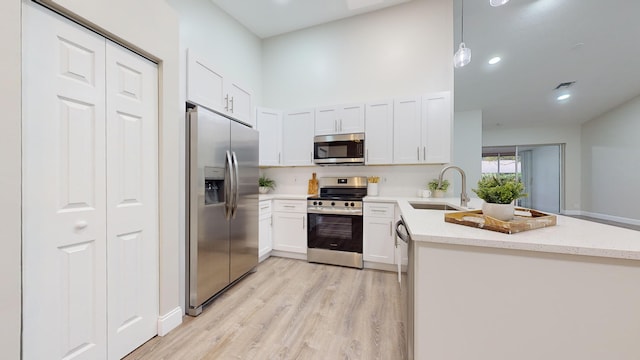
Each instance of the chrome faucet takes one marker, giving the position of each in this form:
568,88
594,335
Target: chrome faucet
464,198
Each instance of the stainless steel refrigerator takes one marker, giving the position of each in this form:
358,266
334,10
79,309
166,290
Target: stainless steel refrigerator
222,204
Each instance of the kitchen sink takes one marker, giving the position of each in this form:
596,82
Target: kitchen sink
428,206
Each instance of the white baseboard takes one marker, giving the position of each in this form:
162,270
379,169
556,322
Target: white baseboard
169,321
611,218
571,212
264,257
380,266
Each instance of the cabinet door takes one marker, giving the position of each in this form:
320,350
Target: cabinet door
326,122
270,128
290,232
407,125
239,102
297,139
351,119
205,85
436,127
379,245
379,133
264,228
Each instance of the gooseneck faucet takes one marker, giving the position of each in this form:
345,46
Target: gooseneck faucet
464,198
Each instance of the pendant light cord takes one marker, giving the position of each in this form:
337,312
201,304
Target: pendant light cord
462,21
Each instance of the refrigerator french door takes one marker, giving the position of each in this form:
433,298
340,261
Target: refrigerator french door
222,204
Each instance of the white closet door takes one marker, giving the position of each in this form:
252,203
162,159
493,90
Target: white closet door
64,271
132,210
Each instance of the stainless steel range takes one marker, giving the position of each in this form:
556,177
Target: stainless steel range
335,221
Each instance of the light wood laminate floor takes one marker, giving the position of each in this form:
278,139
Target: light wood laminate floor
291,309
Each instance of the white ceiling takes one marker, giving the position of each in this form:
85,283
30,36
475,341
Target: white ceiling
542,43
267,18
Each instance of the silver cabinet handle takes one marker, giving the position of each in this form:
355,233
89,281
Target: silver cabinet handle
226,99
311,157
279,162
418,152
340,125
391,229
424,153
264,207
289,206
304,220
367,155
231,101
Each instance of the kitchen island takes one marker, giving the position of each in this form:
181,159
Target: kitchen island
570,291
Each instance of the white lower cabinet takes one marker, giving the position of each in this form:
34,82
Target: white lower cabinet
290,226
379,243
265,221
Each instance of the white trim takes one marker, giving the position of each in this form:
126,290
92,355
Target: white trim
264,256
169,321
612,218
571,212
380,266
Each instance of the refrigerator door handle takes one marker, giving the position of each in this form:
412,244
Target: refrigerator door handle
236,182
228,186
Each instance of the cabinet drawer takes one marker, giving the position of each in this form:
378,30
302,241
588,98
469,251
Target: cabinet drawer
385,210
290,206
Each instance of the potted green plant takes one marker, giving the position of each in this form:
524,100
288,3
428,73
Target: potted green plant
265,184
438,191
499,193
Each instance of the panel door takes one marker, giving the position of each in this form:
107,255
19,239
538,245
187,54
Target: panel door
379,245
132,207
64,266
290,232
407,145
351,119
326,122
265,222
205,85
437,127
297,141
379,133
270,127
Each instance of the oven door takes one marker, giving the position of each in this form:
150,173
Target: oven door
335,232
339,149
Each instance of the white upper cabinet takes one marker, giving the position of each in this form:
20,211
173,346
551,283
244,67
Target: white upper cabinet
269,123
406,130
422,129
341,119
378,133
297,138
437,127
206,86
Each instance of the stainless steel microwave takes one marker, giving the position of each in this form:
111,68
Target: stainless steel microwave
342,149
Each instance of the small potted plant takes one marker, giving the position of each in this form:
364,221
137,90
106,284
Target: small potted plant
499,193
265,184
438,191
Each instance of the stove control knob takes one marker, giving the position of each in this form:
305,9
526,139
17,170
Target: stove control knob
319,203
352,204
315,203
333,204
346,204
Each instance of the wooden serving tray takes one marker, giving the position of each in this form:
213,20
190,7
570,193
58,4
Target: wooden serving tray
525,219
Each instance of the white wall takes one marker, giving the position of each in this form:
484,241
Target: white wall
402,50
611,164
467,148
236,52
569,135
10,179
399,51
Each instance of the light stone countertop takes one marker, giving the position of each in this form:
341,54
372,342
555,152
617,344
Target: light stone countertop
282,197
568,236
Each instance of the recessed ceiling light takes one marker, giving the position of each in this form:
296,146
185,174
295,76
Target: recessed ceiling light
563,97
494,60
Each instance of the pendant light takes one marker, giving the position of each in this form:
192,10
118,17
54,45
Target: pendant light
495,3
463,56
